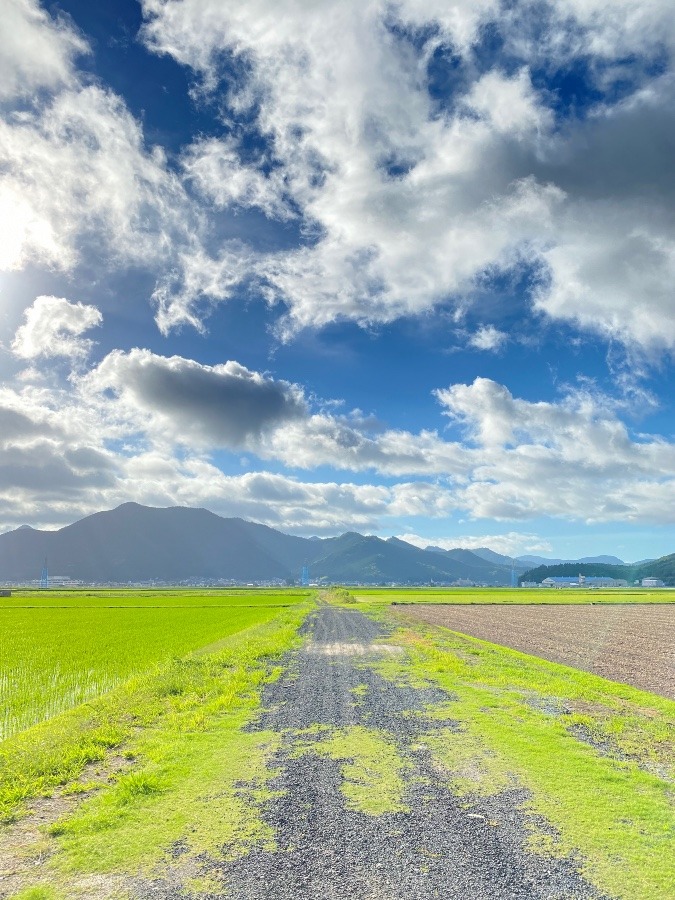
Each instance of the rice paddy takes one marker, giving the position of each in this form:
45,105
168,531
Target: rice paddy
60,649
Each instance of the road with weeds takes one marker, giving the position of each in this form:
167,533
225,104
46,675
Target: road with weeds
362,809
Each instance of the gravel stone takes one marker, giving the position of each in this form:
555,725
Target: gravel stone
443,847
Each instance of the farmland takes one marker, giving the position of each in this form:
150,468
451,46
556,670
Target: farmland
368,754
58,649
631,644
507,597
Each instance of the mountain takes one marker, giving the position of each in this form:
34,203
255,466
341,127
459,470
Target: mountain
477,568
663,568
353,557
571,569
531,561
605,560
138,543
501,560
539,561
490,555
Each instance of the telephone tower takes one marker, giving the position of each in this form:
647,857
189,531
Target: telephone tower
304,578
44,577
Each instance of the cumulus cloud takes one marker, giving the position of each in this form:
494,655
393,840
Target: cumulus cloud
145,427
410,204
224,405
215,168
75,166
53,327
488,338
402,202
573,459
75,172
394,191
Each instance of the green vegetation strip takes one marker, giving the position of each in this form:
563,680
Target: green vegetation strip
185,772
159,597
597,758
508,596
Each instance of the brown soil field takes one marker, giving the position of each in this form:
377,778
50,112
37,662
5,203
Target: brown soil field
631,644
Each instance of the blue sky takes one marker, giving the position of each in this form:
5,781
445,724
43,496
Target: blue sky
403,268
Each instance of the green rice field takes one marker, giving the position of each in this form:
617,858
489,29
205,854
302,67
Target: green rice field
505,596
61,648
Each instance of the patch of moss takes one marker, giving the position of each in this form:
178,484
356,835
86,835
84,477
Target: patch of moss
372,769
40,892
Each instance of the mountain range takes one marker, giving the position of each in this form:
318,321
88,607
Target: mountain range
135,543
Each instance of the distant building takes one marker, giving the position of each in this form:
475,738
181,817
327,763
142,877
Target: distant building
583,581
5,593
605,581
561,581
650,581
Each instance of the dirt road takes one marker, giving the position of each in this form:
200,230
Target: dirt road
439,847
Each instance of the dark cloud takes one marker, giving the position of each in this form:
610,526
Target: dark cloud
15,425
227,405
46,470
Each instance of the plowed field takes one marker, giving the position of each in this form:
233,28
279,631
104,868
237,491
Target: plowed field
631,644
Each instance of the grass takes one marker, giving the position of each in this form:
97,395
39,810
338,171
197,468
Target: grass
372,768
153,597
519,720
193,777
507,596
58,649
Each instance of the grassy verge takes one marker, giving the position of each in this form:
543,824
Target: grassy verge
191,780
507,596
597,758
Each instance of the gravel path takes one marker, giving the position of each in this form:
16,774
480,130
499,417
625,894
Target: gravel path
631,644
442,847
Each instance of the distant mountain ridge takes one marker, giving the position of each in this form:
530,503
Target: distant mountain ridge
135,543
590,560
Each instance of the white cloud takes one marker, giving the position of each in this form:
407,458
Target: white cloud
72,451
214,167
199,280
510,543
76,166
574,459
510,105
75,174
488,338
389,244
402,204
410,204
53,327
36,51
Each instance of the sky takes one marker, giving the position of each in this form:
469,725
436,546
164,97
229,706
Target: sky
403,268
